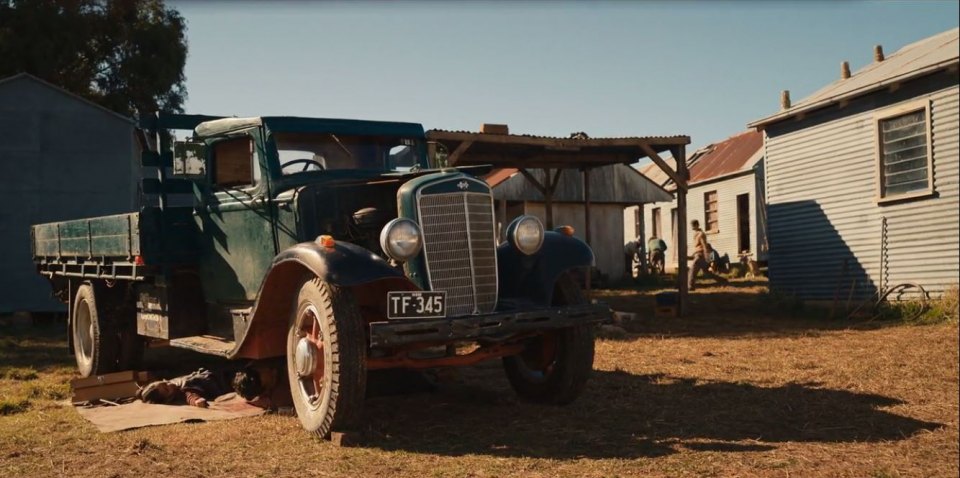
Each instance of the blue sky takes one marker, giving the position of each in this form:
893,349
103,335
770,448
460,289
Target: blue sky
703,69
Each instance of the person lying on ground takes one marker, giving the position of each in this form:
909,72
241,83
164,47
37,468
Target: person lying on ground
195,389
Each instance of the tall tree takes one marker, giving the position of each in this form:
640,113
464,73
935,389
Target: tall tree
127,55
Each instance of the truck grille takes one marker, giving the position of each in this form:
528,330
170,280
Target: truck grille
460,251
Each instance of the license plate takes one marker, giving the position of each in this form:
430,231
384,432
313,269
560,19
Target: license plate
416,305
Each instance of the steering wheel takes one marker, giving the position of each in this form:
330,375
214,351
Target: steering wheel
306,164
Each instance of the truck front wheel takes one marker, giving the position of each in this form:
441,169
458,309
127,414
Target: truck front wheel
326,358
95,337
555,366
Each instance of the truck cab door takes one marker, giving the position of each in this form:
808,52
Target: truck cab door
236,223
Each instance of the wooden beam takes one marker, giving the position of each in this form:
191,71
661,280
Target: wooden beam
556,180
682,266
586,219
533,180
548,199
455,155
558,143
681,184
538,161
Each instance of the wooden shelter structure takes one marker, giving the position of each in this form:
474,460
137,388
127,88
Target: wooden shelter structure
578,152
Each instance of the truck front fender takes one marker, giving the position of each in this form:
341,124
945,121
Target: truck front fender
533,277
344,265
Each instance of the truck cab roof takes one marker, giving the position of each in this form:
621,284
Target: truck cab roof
293,124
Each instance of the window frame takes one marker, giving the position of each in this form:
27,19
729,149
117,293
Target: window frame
706,211
879,117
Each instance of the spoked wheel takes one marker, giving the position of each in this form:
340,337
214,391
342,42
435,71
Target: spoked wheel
554,367
95,339
326,359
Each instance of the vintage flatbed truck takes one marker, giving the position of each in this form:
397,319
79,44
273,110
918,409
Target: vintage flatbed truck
333,243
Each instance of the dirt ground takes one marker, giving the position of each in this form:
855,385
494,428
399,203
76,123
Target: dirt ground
737,389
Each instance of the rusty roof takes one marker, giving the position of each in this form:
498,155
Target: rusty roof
733,155
574,137
530,151
497,176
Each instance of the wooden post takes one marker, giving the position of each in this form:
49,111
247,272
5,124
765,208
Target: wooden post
586,219
548,199
679,154
502,206
641,238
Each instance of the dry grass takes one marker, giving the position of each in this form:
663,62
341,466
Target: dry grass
733,390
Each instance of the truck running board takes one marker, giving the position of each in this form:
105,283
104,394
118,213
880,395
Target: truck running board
205,344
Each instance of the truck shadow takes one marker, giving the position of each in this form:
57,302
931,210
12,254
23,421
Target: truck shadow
622,415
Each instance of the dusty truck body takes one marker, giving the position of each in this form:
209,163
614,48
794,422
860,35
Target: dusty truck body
331,243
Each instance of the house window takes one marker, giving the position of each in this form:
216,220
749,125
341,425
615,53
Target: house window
711,217
655,222
904,151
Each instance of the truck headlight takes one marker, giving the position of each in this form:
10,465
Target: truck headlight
526,234
400,239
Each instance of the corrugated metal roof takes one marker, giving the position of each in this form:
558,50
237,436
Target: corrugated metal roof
498,176
656,174
28,76
733,155
581,136
914,60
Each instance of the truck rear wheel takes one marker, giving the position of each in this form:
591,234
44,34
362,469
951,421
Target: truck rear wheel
326,358
95,338
554,367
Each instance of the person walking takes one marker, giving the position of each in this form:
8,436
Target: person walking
701,250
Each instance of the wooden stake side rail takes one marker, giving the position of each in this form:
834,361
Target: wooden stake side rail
97,268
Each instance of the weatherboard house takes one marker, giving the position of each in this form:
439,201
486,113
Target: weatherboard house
862,178
61,157
725,193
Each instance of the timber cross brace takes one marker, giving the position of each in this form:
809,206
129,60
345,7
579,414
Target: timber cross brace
552,155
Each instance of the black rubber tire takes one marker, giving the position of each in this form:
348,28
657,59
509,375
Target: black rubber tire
340,407
96,339
566,376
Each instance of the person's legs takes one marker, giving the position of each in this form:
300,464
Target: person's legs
699,263
709,274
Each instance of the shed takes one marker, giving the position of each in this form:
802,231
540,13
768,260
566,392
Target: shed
577,153
862,177
726,196
61,157
613,187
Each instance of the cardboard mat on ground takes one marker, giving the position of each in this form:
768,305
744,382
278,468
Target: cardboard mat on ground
108,415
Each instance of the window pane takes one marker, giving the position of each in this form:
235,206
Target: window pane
907,177
904,153
902,121
919,163
906,188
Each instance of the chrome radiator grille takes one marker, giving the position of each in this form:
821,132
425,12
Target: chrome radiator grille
460,252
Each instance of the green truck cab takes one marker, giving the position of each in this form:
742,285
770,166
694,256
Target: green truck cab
333,243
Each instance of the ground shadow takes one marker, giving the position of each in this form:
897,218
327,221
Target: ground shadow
730,312
627,416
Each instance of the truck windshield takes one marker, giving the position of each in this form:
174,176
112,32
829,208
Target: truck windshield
307,152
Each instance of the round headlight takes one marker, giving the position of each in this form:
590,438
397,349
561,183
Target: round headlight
400,239
526,234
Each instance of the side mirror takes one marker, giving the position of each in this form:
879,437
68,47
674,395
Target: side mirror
189,159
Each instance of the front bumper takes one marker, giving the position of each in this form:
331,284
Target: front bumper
401,332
